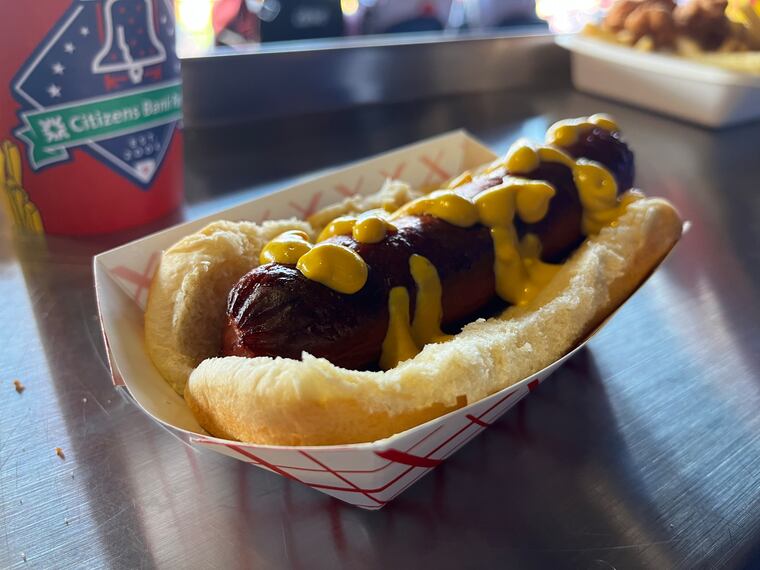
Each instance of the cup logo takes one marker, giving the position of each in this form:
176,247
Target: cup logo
104,80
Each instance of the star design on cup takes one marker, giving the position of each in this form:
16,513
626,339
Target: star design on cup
54,90
57,68
68,47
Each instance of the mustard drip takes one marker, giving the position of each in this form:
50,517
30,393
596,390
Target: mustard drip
509,270
539,272
551,154
518,277
371,229
428,311
341,226
335,266
567,132
596,186
522,157
398,344
372,226
446,205
286,248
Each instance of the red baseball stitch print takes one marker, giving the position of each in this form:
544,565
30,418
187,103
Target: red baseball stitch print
348,192
142,280
396,173
310,208
265,216
435,169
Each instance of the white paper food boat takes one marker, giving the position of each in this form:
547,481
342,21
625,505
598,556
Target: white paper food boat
683,88
367,475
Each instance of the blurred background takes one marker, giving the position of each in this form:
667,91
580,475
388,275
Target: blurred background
208,25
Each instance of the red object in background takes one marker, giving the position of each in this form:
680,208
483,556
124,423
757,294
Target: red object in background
223,12
90,103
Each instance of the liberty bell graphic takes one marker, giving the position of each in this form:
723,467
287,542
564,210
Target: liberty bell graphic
130,42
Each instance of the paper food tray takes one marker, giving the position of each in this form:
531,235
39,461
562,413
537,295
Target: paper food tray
367,475
690,90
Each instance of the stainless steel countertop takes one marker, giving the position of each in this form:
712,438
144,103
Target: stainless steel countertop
643,451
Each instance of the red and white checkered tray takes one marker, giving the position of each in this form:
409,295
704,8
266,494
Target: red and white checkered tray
367,475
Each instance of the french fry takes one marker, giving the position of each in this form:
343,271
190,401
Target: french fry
23,212
28,213
14,162
745,62
37,225
18,205
10,204
33,219
3,175
6,181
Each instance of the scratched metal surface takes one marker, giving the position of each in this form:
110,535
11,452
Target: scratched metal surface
642,452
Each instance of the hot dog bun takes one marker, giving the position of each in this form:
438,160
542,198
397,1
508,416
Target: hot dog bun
188,295
313,402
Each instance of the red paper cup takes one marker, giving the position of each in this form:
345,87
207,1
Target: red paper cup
90,114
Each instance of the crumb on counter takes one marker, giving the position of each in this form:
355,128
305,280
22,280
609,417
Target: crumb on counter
59,452
18,385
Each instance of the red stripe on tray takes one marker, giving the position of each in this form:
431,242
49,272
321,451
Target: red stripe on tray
434,167
394,174
428,462
477,421
141,280
392,455
342,478
407,458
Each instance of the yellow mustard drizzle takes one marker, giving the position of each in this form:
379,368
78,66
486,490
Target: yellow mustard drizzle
341,226
334,265
398,344
567,132
539,272
371,229
597,188
428,310
496,208
522,157
519,272
446,205
372,225
287,248
402,340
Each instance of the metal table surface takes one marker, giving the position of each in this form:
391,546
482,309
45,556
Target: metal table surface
642,452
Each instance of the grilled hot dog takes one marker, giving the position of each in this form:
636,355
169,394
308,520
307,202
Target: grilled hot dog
274,310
